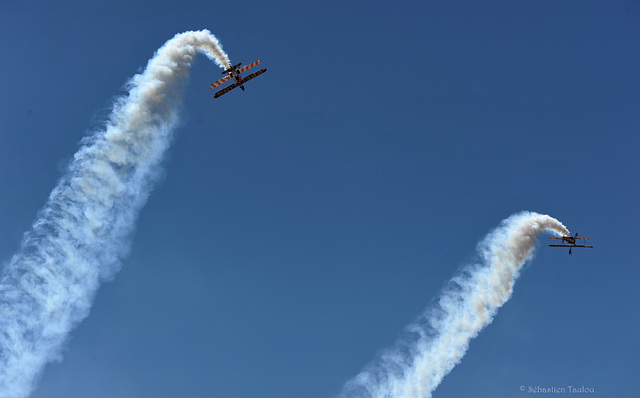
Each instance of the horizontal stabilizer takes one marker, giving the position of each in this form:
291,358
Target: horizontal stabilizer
232,68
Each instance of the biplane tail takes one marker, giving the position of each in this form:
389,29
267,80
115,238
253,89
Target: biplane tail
231,68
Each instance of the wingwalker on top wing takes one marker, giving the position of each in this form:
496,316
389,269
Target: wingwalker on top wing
571,242
234,72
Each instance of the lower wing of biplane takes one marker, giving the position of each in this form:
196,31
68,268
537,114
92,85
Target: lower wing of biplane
586,246
241,79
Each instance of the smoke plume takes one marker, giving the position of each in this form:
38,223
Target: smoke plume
83,232
438,340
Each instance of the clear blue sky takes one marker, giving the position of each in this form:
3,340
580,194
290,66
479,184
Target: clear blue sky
302,224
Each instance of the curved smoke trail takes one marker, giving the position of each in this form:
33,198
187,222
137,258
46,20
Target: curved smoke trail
438,340
83,231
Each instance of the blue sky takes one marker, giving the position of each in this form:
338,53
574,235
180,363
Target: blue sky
302,224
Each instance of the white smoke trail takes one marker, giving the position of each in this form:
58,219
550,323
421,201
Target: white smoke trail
438,340
83,231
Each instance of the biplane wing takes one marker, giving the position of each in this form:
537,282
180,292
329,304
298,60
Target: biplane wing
225,90
247,67
586,246
233,68
251,76
570,237
219,82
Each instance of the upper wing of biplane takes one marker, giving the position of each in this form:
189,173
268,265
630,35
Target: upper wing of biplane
219,82
247,67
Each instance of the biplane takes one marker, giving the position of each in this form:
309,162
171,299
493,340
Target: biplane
234,72
570,242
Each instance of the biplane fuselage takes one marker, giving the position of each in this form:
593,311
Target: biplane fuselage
235,75
569,239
